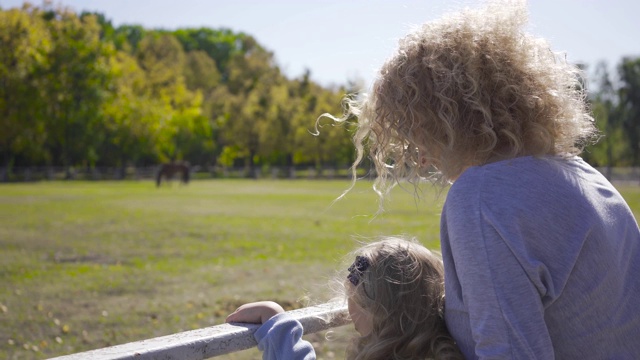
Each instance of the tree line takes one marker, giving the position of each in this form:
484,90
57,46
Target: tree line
77,91
615,104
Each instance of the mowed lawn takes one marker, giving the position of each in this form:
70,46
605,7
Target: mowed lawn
85,265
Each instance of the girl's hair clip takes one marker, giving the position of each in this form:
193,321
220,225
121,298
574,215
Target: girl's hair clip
357,268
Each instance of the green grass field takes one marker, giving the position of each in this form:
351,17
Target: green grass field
86,265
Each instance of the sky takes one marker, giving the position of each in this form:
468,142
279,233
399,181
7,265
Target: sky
347,40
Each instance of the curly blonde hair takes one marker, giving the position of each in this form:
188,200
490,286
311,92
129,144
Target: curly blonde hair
469,89
403,291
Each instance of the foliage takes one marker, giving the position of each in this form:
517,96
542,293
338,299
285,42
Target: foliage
616,108
76,79
76,91
26,44
629,106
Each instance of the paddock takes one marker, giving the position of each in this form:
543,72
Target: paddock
88,265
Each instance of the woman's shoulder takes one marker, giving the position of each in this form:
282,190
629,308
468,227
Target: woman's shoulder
523,179
517,170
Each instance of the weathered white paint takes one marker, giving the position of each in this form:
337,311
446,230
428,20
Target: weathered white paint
212,341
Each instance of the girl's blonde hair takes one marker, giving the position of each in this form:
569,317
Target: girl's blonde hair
403,290
469,89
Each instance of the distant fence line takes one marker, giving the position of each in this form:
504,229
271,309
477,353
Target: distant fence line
39,173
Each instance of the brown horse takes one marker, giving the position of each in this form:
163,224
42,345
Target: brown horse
170,169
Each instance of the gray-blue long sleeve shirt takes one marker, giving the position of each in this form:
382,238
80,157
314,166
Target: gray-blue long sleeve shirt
542,261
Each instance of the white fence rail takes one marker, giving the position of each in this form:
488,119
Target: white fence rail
212,341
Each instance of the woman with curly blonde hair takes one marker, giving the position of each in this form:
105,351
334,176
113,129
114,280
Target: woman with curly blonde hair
541,252
395,295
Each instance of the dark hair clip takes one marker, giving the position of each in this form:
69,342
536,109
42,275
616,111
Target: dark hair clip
357,268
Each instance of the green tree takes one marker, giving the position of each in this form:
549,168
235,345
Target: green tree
128,37
629,71
612,149
76,80
162,59
333,145
221,45
200,72
74,90
180,122
130,115
250,78
276,128
24,51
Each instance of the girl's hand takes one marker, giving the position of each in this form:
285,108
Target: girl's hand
255,313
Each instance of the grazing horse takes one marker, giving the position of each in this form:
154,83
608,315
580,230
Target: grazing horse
170,169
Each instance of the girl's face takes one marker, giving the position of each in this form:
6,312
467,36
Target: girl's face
361,319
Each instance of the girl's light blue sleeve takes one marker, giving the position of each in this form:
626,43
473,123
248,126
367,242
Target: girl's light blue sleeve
280,338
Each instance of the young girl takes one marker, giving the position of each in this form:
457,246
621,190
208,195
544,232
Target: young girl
541,253
395,295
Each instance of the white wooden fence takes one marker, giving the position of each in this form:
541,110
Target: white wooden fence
213,341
